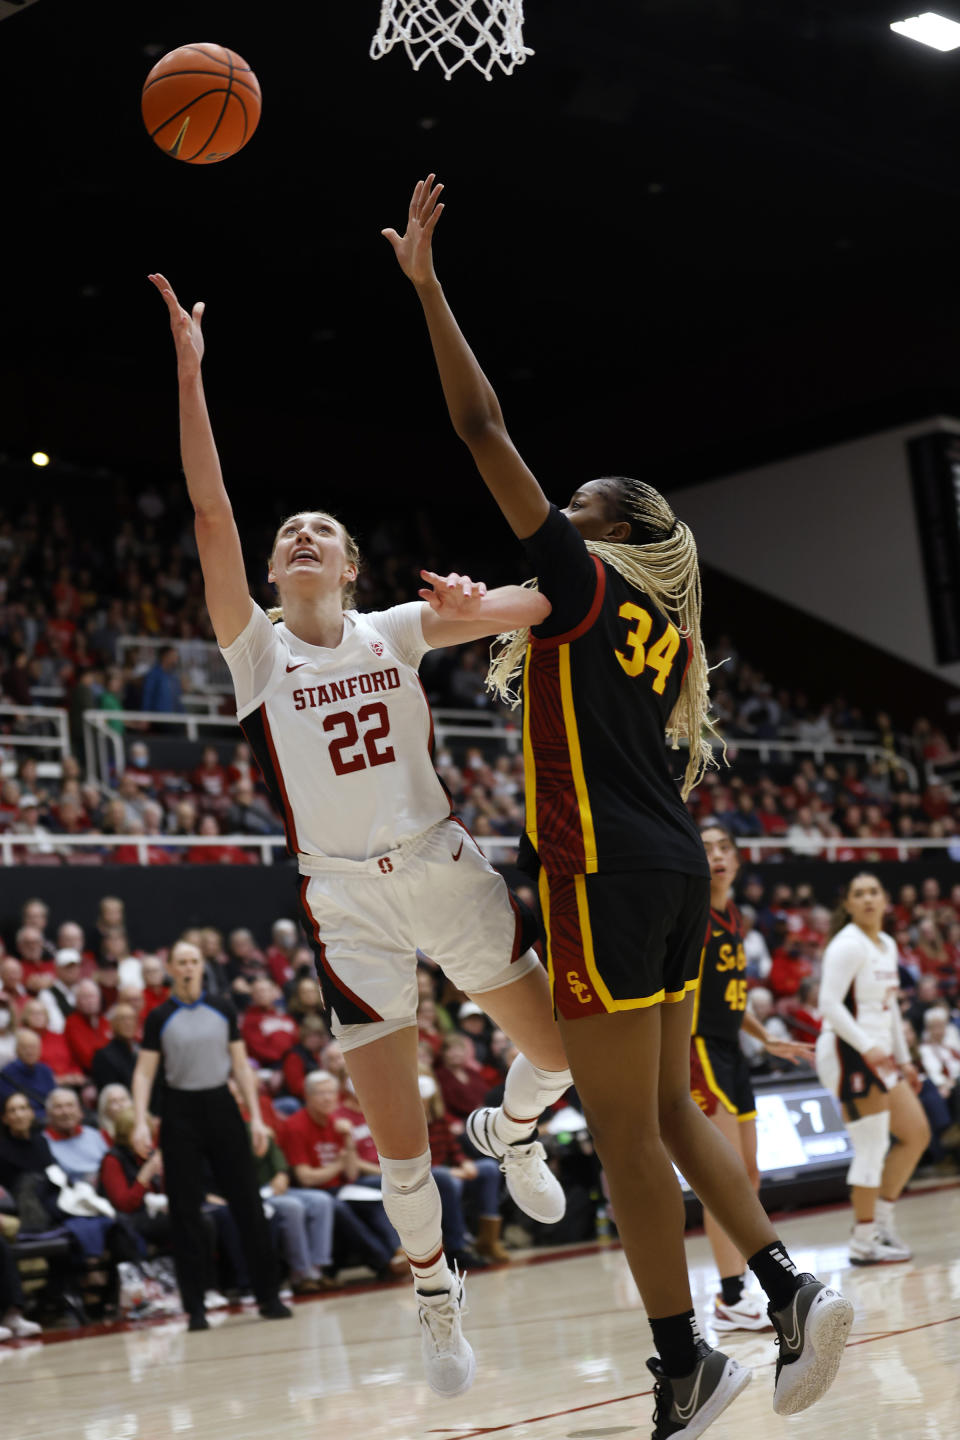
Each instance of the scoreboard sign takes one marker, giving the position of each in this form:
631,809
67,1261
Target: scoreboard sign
799,1129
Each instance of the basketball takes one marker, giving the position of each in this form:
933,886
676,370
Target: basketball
201,103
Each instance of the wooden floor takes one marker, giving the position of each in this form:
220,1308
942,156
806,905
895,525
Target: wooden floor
560,1346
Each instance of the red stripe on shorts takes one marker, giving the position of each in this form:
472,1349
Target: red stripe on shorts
573,991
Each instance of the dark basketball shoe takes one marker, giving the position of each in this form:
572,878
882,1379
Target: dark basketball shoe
811,1333
684,1407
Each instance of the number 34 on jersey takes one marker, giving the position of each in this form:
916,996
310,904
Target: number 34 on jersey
637,658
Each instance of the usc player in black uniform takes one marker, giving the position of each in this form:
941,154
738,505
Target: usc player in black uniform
719,1072
624,880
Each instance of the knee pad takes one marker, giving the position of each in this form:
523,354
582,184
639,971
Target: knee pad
870,1138
412,1202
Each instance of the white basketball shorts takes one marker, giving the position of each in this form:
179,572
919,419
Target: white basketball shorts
437,893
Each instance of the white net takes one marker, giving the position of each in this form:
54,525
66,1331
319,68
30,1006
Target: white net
482,33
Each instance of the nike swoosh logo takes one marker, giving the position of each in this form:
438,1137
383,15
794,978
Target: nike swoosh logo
291,668
792,1341
457,856
684,1412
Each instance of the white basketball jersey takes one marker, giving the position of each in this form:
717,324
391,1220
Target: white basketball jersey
343,736
865,979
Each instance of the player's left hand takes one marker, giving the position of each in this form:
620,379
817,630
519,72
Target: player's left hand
911,1074
796,1051
414,248
454,597
259,1138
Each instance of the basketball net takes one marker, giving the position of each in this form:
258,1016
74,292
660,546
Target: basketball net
481,33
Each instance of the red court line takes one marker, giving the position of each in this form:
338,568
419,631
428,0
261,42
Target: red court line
464,1434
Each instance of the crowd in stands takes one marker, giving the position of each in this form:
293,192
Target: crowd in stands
69,598
72,1008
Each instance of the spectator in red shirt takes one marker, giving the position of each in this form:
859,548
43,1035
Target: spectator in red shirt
38,967
267,1033
304,1057
462,1082
13,992
217,854
155,988
320,1151
285,936
790,966
803,1016
427,1028
460,1178
54,1050
86,1030
210,777
126,1181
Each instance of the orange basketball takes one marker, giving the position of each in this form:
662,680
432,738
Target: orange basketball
201,103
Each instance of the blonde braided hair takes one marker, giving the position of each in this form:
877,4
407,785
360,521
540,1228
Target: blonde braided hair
660,558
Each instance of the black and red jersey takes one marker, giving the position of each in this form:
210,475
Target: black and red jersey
721,996
601,677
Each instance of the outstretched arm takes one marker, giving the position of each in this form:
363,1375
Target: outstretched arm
458,609
221,558
471,400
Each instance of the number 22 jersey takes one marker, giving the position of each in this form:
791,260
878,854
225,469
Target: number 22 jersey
343,736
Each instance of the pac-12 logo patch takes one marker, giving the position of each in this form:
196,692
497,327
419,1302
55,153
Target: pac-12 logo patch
376,647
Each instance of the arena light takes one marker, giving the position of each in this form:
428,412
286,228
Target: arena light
930,29
40,457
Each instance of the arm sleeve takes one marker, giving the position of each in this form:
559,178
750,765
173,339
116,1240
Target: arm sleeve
230,1015
840,965
252,659
402,628
566,573
151,1032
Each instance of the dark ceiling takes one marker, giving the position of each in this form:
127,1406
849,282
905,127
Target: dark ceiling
683,237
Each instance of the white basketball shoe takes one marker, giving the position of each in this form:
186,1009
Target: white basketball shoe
448,1359
530,1181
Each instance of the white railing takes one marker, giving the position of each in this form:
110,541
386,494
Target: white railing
200,659
42,842
60,741
495,847
103,745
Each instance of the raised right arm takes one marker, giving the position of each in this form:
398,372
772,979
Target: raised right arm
218,541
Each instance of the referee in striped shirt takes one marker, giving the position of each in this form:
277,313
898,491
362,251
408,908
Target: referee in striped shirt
196,1041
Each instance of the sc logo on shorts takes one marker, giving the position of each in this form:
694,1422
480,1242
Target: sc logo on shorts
577,988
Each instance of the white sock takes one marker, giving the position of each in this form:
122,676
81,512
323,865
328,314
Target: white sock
527,1093
865,1230
412,1202
883,1211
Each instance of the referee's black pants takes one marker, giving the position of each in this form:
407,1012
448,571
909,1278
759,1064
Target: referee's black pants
203,1133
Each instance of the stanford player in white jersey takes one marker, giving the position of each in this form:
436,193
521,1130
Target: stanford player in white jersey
333,709
862,1057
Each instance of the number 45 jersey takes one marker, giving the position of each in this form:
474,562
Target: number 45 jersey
342,736
721,996
601,677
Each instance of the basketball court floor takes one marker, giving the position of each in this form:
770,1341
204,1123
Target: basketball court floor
560,1342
